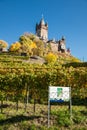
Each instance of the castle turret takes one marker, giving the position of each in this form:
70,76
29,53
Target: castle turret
42,30
61,45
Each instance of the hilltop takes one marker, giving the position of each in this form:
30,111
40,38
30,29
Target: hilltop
38,48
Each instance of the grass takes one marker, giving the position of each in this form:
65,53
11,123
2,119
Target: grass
11,119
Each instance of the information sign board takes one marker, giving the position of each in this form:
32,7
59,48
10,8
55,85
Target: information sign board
59,94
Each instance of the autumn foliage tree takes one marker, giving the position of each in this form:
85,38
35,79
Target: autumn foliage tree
3,44
15,47
24,45
27,45
30,44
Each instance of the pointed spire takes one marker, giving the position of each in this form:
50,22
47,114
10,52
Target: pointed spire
42,20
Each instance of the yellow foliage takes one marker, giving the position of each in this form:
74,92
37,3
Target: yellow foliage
15,46
33,45
51,58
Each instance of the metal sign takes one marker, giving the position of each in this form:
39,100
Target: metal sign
59,94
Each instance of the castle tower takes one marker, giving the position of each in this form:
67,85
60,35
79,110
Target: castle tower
42,30
62,45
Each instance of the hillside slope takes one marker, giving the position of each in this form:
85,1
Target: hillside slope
7,59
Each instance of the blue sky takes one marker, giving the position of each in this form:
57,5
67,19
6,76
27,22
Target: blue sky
65,18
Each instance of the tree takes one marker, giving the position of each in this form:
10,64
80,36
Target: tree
30,36
3,44
27,45
15,47
40,47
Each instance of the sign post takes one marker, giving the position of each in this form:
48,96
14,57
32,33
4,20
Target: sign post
58,94
70,106
48,110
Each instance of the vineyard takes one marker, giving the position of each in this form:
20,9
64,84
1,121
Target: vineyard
24,85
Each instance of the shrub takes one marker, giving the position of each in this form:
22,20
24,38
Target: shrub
63,118
51,58
77,118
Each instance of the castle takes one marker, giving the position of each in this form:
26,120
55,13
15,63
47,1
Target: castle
42,33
